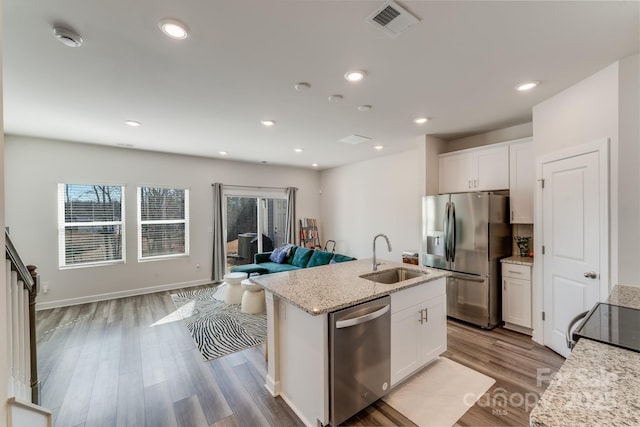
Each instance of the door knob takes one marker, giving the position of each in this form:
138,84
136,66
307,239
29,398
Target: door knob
591,275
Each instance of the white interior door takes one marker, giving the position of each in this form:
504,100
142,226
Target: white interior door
572,237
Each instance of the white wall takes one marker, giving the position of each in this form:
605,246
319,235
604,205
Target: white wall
605,105
4,333
375,196
585,112
629,172
31,210
511,133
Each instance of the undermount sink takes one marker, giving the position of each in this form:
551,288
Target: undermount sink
394,275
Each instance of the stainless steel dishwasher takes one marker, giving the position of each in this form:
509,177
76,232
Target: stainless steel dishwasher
360,357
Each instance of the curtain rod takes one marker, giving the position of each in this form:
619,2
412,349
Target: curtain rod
255,187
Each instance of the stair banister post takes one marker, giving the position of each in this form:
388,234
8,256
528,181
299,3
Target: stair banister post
33,293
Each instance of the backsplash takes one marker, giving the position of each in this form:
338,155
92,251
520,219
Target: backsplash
525,230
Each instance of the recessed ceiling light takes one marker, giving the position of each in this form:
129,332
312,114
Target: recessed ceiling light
132,123
315,165
268,122
302,86
223,153
298,150
174,28
364,107
523,87
335,98
420,120
378,147
67,36
355,75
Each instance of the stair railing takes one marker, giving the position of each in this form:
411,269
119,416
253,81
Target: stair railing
22,289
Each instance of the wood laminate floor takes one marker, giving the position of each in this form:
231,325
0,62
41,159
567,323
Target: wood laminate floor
127,362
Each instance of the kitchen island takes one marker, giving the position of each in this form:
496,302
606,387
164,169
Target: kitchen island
298,305
598,384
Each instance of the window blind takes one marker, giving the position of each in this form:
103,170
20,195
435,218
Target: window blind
163,227
91,224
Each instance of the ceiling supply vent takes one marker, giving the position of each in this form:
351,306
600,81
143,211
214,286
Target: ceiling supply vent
392,19
355,139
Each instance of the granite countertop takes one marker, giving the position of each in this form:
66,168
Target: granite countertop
327,288
598,384
521,260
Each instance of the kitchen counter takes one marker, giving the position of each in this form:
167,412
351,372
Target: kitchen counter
331,287
520,260
598,384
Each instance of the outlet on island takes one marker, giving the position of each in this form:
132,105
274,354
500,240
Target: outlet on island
45,287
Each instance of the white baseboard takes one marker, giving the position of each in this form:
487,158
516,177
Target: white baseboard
119,294
273,387
304,420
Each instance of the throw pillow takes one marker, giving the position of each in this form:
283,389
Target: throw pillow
301,257
279,255
319,258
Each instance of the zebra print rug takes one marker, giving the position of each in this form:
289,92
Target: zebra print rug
218,328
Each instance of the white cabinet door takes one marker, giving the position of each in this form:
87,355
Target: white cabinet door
521,181
434,329
455,173
418,328
491,167
405,346
516,301
478,169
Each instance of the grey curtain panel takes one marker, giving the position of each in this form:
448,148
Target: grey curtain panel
290,229
219,256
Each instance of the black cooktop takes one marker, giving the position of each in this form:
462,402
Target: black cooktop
611,324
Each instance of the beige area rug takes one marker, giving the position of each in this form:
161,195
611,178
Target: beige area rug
439,394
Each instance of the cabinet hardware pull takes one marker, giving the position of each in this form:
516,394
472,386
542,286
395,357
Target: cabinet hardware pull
470,184
514,272
421,317
504,285
475,183
426,315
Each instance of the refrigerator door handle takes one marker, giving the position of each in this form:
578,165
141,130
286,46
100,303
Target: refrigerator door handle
446,231
453,231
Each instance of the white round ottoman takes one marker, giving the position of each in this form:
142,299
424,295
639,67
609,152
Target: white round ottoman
252,298
234,287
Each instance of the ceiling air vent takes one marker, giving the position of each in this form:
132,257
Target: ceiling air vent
392,19
355,139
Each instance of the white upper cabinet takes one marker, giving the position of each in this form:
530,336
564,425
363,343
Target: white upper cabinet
478,169
521,181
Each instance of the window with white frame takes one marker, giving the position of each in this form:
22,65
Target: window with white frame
90,224
163,222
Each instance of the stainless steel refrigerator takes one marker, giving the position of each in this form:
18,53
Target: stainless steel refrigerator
468,233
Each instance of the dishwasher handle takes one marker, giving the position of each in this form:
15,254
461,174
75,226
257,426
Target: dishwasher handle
362,319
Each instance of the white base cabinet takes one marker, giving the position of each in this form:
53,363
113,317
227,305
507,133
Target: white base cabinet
516,296
418,328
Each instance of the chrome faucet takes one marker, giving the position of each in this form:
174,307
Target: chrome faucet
375,264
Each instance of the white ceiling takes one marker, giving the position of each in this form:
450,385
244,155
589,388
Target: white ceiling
208,93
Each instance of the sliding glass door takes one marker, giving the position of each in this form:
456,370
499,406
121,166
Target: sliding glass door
254,223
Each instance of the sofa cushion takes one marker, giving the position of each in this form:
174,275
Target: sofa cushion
292,252
274,267
301,257
319,258
340,258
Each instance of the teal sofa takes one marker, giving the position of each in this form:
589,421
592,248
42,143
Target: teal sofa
296,258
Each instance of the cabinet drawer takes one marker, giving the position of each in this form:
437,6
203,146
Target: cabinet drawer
516,271
415,295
